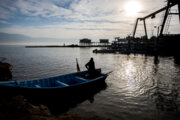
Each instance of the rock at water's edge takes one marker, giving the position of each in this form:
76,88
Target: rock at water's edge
5,71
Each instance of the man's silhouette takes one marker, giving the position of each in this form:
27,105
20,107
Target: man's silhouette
90,66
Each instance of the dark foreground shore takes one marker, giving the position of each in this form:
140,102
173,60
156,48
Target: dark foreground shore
17,108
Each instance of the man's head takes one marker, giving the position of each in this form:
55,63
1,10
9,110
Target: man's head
91,59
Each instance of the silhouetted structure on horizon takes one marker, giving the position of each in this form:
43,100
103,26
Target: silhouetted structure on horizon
170,3
162,44
88,42
85,41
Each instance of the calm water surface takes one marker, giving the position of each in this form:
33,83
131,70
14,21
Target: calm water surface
140,87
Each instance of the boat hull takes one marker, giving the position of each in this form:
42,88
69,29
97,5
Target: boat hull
72,90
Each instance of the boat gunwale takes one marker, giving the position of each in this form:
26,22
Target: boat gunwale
103,76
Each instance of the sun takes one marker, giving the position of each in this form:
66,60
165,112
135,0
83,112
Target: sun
132,8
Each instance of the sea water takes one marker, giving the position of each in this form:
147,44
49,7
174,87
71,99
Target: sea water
140,87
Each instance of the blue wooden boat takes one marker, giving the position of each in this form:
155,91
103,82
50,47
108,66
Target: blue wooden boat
63,84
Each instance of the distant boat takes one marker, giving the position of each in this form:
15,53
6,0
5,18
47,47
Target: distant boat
60,85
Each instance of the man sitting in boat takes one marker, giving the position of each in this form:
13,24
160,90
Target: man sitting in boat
91,67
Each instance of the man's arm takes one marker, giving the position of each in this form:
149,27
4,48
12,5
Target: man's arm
87,65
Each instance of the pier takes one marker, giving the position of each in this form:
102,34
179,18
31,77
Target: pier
66,46
85,42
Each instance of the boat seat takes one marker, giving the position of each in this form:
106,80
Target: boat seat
61,83
37,86
82,79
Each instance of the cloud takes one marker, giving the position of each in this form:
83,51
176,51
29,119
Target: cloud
66,30
4,14
6,9
72,18
111,10
72,9
4,22
44,9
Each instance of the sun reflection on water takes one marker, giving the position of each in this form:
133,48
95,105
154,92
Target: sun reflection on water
132,77
130,71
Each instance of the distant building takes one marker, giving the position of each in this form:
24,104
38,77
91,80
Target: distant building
104,40
85,40
120,40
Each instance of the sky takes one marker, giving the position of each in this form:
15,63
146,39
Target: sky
77,19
